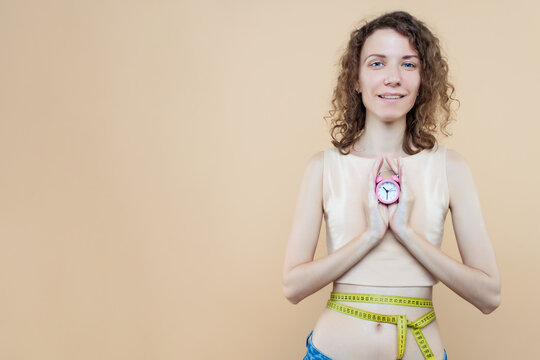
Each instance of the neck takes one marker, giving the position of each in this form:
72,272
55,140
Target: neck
380,137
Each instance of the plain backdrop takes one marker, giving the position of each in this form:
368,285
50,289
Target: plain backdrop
151,154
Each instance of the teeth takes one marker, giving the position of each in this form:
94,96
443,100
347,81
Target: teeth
391,97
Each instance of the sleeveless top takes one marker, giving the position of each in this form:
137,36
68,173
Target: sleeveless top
345,190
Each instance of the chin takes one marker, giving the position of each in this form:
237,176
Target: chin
392,118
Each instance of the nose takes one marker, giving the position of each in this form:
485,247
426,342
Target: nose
392,81
392,78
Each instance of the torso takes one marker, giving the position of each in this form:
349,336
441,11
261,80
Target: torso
344,337
387,268
345,195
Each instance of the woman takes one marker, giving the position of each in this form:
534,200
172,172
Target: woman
384,257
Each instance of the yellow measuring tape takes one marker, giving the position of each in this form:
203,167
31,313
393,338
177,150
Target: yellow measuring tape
399,320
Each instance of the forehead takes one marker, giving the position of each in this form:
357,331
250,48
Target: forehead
387,42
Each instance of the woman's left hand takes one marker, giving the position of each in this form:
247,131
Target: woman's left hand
400,212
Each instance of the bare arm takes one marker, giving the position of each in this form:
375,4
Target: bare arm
477,279
302,276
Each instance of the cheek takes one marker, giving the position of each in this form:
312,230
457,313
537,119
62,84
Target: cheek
371,80
413,79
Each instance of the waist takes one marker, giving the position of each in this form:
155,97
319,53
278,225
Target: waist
425,292
400,320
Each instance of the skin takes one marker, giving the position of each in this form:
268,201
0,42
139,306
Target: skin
476,279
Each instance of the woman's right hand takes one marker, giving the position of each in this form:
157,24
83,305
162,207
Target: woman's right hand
376,213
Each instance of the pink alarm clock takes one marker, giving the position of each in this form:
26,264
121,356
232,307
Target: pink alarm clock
387,190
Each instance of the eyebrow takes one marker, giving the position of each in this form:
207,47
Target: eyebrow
384,56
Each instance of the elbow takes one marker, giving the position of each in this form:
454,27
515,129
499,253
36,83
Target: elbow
289,292
492,305
493,302
292,299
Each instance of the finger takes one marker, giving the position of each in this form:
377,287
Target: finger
392,210
371,180
401,173
405,192
372,200
372,174
383,211
377,164
375,169
393,164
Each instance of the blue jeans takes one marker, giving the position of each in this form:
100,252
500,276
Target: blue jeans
314,354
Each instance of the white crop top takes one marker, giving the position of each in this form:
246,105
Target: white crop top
345,188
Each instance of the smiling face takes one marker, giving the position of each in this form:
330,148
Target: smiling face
389,76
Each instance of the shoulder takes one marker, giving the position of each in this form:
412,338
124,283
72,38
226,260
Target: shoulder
459,175
315,163
318,157
312,182
455,163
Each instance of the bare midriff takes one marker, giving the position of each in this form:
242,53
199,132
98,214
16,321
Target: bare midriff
344,337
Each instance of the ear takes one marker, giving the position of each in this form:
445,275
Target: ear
357,86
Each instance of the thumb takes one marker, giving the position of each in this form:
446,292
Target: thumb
392,210
385,214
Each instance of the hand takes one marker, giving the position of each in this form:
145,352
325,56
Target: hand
400,212
376,212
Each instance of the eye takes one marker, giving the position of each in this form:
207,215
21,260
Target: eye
375,63
409,65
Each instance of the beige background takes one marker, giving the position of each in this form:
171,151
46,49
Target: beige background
151,154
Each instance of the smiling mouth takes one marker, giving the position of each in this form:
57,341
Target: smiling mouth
391,96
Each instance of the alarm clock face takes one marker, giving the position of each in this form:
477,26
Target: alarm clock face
387,191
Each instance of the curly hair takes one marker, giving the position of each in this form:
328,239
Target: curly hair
435,97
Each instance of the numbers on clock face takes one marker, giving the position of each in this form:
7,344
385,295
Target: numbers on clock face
387,191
